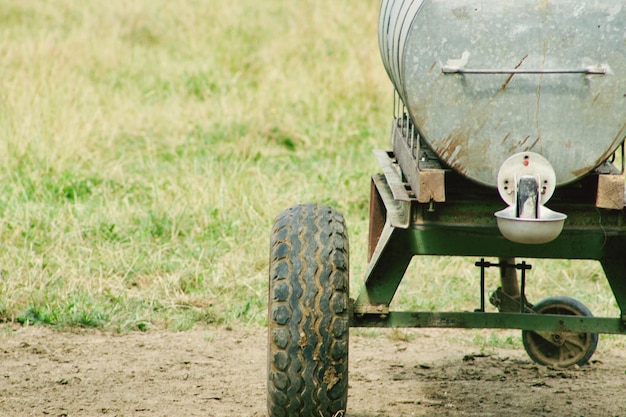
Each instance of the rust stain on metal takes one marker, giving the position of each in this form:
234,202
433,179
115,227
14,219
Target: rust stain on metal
508,80
455,150
510,77
523,142
595,98
535,142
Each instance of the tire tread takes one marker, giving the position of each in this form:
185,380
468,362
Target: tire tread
308,315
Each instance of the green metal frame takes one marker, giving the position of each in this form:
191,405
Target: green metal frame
465,226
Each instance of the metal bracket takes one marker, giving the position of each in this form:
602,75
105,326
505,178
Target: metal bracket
522,307
598,70
507,304
422,170
394,180
398,211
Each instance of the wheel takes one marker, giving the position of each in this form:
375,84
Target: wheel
560,349
308,314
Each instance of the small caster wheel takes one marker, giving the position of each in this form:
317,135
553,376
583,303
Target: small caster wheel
560,349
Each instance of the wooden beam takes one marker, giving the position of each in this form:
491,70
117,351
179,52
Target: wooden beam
610,192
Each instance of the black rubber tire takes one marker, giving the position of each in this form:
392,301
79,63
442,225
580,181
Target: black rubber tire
568,349
309,317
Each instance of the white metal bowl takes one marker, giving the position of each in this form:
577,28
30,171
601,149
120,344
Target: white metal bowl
532,231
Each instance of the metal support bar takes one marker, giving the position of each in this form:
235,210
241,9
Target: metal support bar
522,304
386,268
482,284
480,320
615,271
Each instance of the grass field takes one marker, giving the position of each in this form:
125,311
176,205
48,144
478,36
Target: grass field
146,147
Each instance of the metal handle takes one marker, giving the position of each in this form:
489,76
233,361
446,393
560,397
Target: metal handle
446,69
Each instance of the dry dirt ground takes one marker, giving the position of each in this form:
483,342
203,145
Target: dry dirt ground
221,373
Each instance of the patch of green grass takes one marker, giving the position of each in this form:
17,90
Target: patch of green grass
500,340
76,312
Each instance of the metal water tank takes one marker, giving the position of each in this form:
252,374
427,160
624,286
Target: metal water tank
485,79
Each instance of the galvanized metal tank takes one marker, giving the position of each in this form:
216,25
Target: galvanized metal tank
485,79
